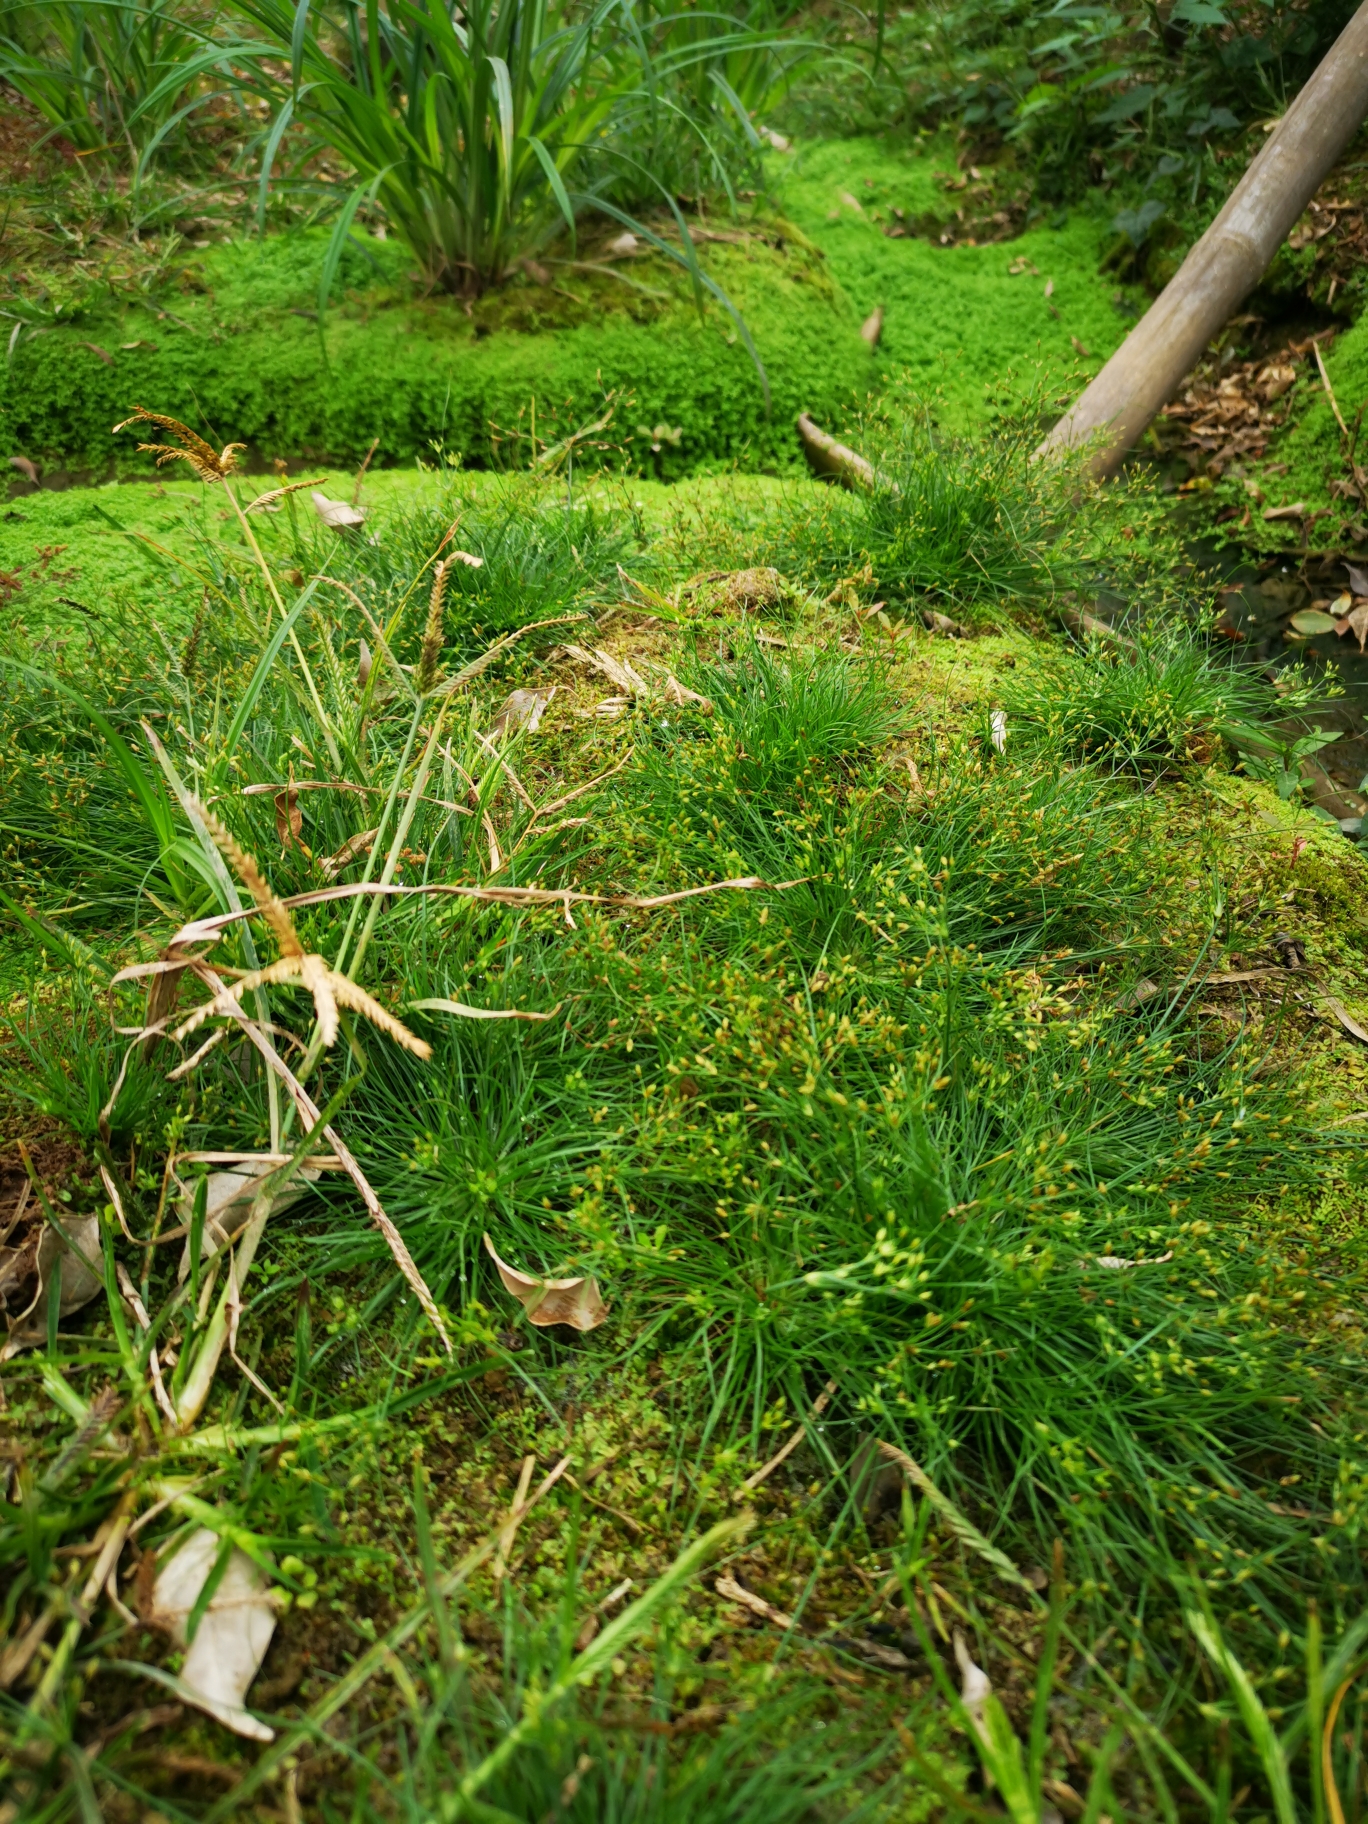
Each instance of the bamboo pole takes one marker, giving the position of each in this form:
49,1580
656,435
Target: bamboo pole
1229,260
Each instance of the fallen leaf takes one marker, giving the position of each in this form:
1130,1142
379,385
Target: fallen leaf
228,1198
103,353
337,513
364,662
576,1302
1345,1018
27,1264
623,244
1296,511
1079,349
941,623
997,724
777,141
1049,288
289,818
1357,624
619,672
1313,620
25,468
872,327
852,202
233,1634
522,709
1358,579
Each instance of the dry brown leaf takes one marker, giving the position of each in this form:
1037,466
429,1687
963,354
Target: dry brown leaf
337,514
1296,511
522,709
576,1302
233,1634
289,818
25,468
34,1252
1345,1018
619,672
872,327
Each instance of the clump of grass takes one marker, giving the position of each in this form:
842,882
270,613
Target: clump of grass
1164,701
970,522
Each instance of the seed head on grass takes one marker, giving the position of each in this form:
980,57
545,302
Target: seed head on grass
330,990
430,656
209,464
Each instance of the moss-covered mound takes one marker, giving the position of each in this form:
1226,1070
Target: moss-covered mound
1032,311
240,353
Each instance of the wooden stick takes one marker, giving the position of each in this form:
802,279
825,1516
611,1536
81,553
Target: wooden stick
1227,263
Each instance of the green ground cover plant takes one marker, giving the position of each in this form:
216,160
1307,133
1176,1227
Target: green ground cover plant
938,1111
243,346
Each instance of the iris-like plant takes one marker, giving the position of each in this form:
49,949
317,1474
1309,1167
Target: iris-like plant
487,133
106,73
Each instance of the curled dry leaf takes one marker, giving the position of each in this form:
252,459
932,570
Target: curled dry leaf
337,513
289,818
34,1252
233,1634
872,327
227,1201
997,723
1297,510
25,468
577,1302
1345,1018
975,1688
522,709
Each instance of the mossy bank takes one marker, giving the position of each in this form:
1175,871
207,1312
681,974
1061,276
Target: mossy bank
231,339
239,349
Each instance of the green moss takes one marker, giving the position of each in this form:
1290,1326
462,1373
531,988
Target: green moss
241,357
956,318
1311,448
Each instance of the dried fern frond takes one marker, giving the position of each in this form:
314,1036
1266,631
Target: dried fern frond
209,464
430,656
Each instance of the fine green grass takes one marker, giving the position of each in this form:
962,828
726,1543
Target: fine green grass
934,1108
